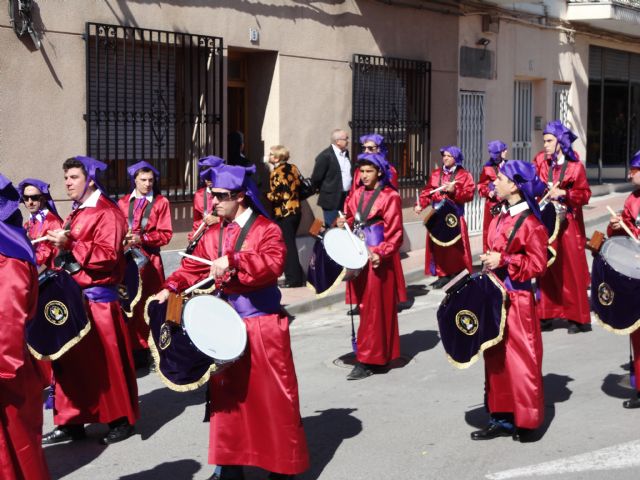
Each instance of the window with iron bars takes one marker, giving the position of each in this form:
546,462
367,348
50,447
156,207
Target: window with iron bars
392,97
153,95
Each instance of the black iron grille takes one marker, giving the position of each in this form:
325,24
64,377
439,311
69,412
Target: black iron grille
153,95
392,97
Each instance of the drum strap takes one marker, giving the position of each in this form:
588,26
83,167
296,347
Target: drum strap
518,224
145,215
243,234
363,210
563,170
453,175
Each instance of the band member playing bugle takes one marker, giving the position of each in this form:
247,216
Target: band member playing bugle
95,380
450,183
255,413
631,218
21,455
149,220
374,212
517,254
564,287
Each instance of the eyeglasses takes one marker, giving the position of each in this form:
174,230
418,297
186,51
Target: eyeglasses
370,148
345,139
223,196
33,198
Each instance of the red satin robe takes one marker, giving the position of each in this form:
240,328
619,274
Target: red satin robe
21,456
376,289
96,381
513,368
445,261
487,176
631,217
198,209
45,251
157,233
255,411
564,286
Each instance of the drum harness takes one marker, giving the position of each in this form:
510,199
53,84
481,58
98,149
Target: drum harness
145,218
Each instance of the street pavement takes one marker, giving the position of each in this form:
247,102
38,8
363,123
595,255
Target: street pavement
412,422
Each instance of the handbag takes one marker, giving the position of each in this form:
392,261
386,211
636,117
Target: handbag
306,188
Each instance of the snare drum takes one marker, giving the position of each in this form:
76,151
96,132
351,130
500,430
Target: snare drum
615,283
444,223
323,273
130,290
554,215
472,317
61,320
347,250
209,337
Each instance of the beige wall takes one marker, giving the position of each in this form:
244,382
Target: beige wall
42,96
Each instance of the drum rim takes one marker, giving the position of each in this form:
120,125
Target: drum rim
186,322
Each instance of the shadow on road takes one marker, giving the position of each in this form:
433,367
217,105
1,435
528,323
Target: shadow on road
413,291
556,390
162,405
182,469
325,432
64,459
617,386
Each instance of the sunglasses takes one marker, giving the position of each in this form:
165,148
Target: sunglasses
373,148
33,198
222,196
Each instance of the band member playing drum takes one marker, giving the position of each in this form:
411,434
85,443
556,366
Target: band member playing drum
255,398
43,217
202,202
631,218
456,185
517,254
374,212
96,380
21,455
564,286
149,220
497,156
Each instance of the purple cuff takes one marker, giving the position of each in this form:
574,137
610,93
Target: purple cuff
101,294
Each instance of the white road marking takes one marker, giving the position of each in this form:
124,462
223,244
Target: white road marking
624,455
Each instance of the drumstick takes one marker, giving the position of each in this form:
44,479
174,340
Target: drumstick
43,238
544,199
623,225
440,188
197,259
351,235
199,229
198,285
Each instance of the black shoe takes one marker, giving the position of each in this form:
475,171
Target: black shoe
354,311
493,430
440,282
546,325
118,433
64,433
359,372
231,472
631,403
523,435
575,327
279,476
287,284
142,359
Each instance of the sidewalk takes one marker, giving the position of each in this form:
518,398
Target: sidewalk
300,300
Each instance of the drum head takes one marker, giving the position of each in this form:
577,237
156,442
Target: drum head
623,255
345,248
214,327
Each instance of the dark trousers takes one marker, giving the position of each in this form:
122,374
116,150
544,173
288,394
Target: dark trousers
292,269
331,215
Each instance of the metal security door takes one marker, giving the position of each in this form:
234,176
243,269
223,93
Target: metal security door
522,120
561,102
471,142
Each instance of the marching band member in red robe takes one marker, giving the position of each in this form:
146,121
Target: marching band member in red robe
497,156
255,413
149,219
96,380
21,455
374,143
43,217
446,262
375,211
631,218
202,201
517,254
564,286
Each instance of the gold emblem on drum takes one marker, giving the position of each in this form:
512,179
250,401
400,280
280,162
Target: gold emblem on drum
467,322
451,220
605,294
165,336
56,312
